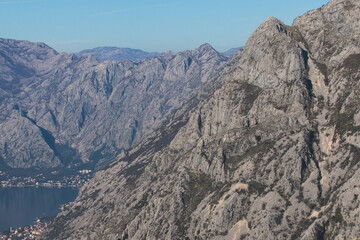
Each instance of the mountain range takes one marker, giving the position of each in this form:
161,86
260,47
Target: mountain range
269,150
59,109
135,55
118,54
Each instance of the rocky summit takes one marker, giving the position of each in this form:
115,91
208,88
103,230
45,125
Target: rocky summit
274,153
58,109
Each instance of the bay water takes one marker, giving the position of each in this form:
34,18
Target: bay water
21,206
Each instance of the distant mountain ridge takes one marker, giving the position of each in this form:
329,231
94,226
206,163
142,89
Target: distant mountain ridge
119,54
231,52
135,55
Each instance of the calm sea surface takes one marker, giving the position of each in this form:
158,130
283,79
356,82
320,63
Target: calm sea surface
21,206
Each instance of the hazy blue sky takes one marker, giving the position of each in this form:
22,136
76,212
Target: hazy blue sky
151,25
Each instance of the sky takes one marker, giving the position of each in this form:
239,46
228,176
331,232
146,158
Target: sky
150,25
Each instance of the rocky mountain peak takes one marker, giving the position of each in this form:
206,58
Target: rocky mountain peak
260,51
205,47
206,50
335,24
339,14
271,28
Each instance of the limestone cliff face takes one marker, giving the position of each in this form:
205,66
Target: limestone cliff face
60,109
272,154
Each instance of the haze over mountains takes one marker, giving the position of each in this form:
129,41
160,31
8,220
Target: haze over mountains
58,109
118,54
272,153
135,55
231,51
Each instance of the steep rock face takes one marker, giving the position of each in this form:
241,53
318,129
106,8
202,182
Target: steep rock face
86,111
272,154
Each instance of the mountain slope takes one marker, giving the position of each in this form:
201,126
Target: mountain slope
272,154
118,54
75,110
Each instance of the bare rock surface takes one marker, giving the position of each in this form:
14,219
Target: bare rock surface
272,154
